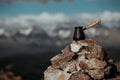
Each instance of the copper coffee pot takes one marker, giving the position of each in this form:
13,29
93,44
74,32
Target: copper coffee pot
79,30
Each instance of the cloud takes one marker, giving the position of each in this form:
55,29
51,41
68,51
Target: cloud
40,1
44,20
49,21
109,19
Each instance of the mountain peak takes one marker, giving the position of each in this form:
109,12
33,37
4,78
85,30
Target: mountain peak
26,31
5,33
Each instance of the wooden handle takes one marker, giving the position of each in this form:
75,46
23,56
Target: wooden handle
92,24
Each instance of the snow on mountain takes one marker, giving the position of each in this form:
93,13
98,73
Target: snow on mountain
38,33
2,31
5,33
33,32
26,31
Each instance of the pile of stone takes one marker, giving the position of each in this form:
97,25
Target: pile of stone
81,60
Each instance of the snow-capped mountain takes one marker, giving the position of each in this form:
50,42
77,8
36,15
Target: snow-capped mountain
39,40
26,31
2,31
62,33
31,33
38,33
34,32
5,33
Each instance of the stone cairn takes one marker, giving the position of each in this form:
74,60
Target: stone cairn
83,59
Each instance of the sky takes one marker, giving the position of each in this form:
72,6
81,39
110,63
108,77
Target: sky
16,14
77,6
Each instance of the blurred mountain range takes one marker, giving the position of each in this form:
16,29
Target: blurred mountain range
34,39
